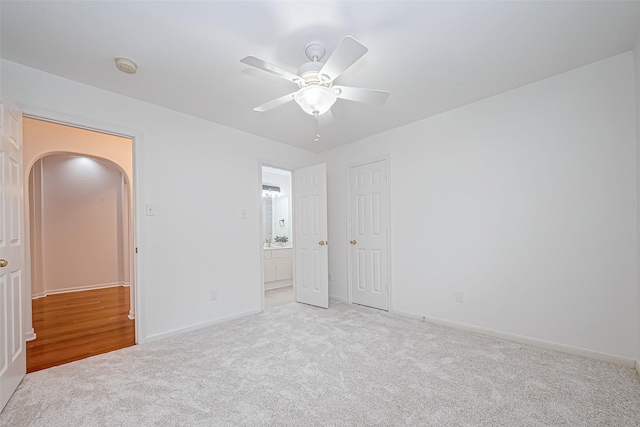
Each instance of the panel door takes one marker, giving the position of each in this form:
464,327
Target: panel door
311,255
12,339
369,235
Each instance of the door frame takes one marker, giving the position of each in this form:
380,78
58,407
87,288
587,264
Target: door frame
137,208
290,169
348,168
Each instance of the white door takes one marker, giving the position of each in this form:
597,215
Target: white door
12,340
369,237
310,242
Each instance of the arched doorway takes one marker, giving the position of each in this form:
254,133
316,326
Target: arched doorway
80,235
79,259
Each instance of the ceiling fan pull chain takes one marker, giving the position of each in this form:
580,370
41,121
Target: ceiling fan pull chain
315,115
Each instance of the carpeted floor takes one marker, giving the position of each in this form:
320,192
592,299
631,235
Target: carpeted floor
297,365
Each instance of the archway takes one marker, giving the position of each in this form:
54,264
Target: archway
79,228
44,138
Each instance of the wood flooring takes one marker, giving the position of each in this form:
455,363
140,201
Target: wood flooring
76,325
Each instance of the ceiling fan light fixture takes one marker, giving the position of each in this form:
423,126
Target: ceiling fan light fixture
315,99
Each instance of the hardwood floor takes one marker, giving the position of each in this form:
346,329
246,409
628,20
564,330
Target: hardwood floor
76,325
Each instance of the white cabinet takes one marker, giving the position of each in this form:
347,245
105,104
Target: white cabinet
269,267
284,263
278,264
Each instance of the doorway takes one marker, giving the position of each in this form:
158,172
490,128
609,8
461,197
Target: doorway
80,236
277,237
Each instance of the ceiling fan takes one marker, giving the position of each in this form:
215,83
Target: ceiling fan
317,92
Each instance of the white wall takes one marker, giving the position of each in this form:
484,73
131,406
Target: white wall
525,201
81,224
636,57
197,241
42,138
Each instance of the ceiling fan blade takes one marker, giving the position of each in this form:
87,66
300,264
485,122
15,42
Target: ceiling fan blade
346,54
270,68
368,96
325,119
274,103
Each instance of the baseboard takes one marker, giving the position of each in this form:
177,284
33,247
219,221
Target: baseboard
179,331
548,345
30,336
79,289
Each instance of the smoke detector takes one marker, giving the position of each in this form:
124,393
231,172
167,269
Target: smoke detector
126,65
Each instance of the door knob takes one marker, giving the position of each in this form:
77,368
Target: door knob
321,242
3,263
353,242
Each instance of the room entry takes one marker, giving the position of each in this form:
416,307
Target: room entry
277,237
369,235
294,224
79,225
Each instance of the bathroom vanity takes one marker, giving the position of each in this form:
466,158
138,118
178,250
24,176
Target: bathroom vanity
278,266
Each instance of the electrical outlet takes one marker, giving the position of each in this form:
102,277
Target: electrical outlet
214,295
459,296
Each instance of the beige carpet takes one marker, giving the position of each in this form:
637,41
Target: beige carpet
297,365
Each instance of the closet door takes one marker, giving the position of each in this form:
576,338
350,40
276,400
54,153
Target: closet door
369,235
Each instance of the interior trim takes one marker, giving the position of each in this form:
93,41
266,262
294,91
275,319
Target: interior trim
79,289
547,345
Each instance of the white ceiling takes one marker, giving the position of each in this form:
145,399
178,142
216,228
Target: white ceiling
431,56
